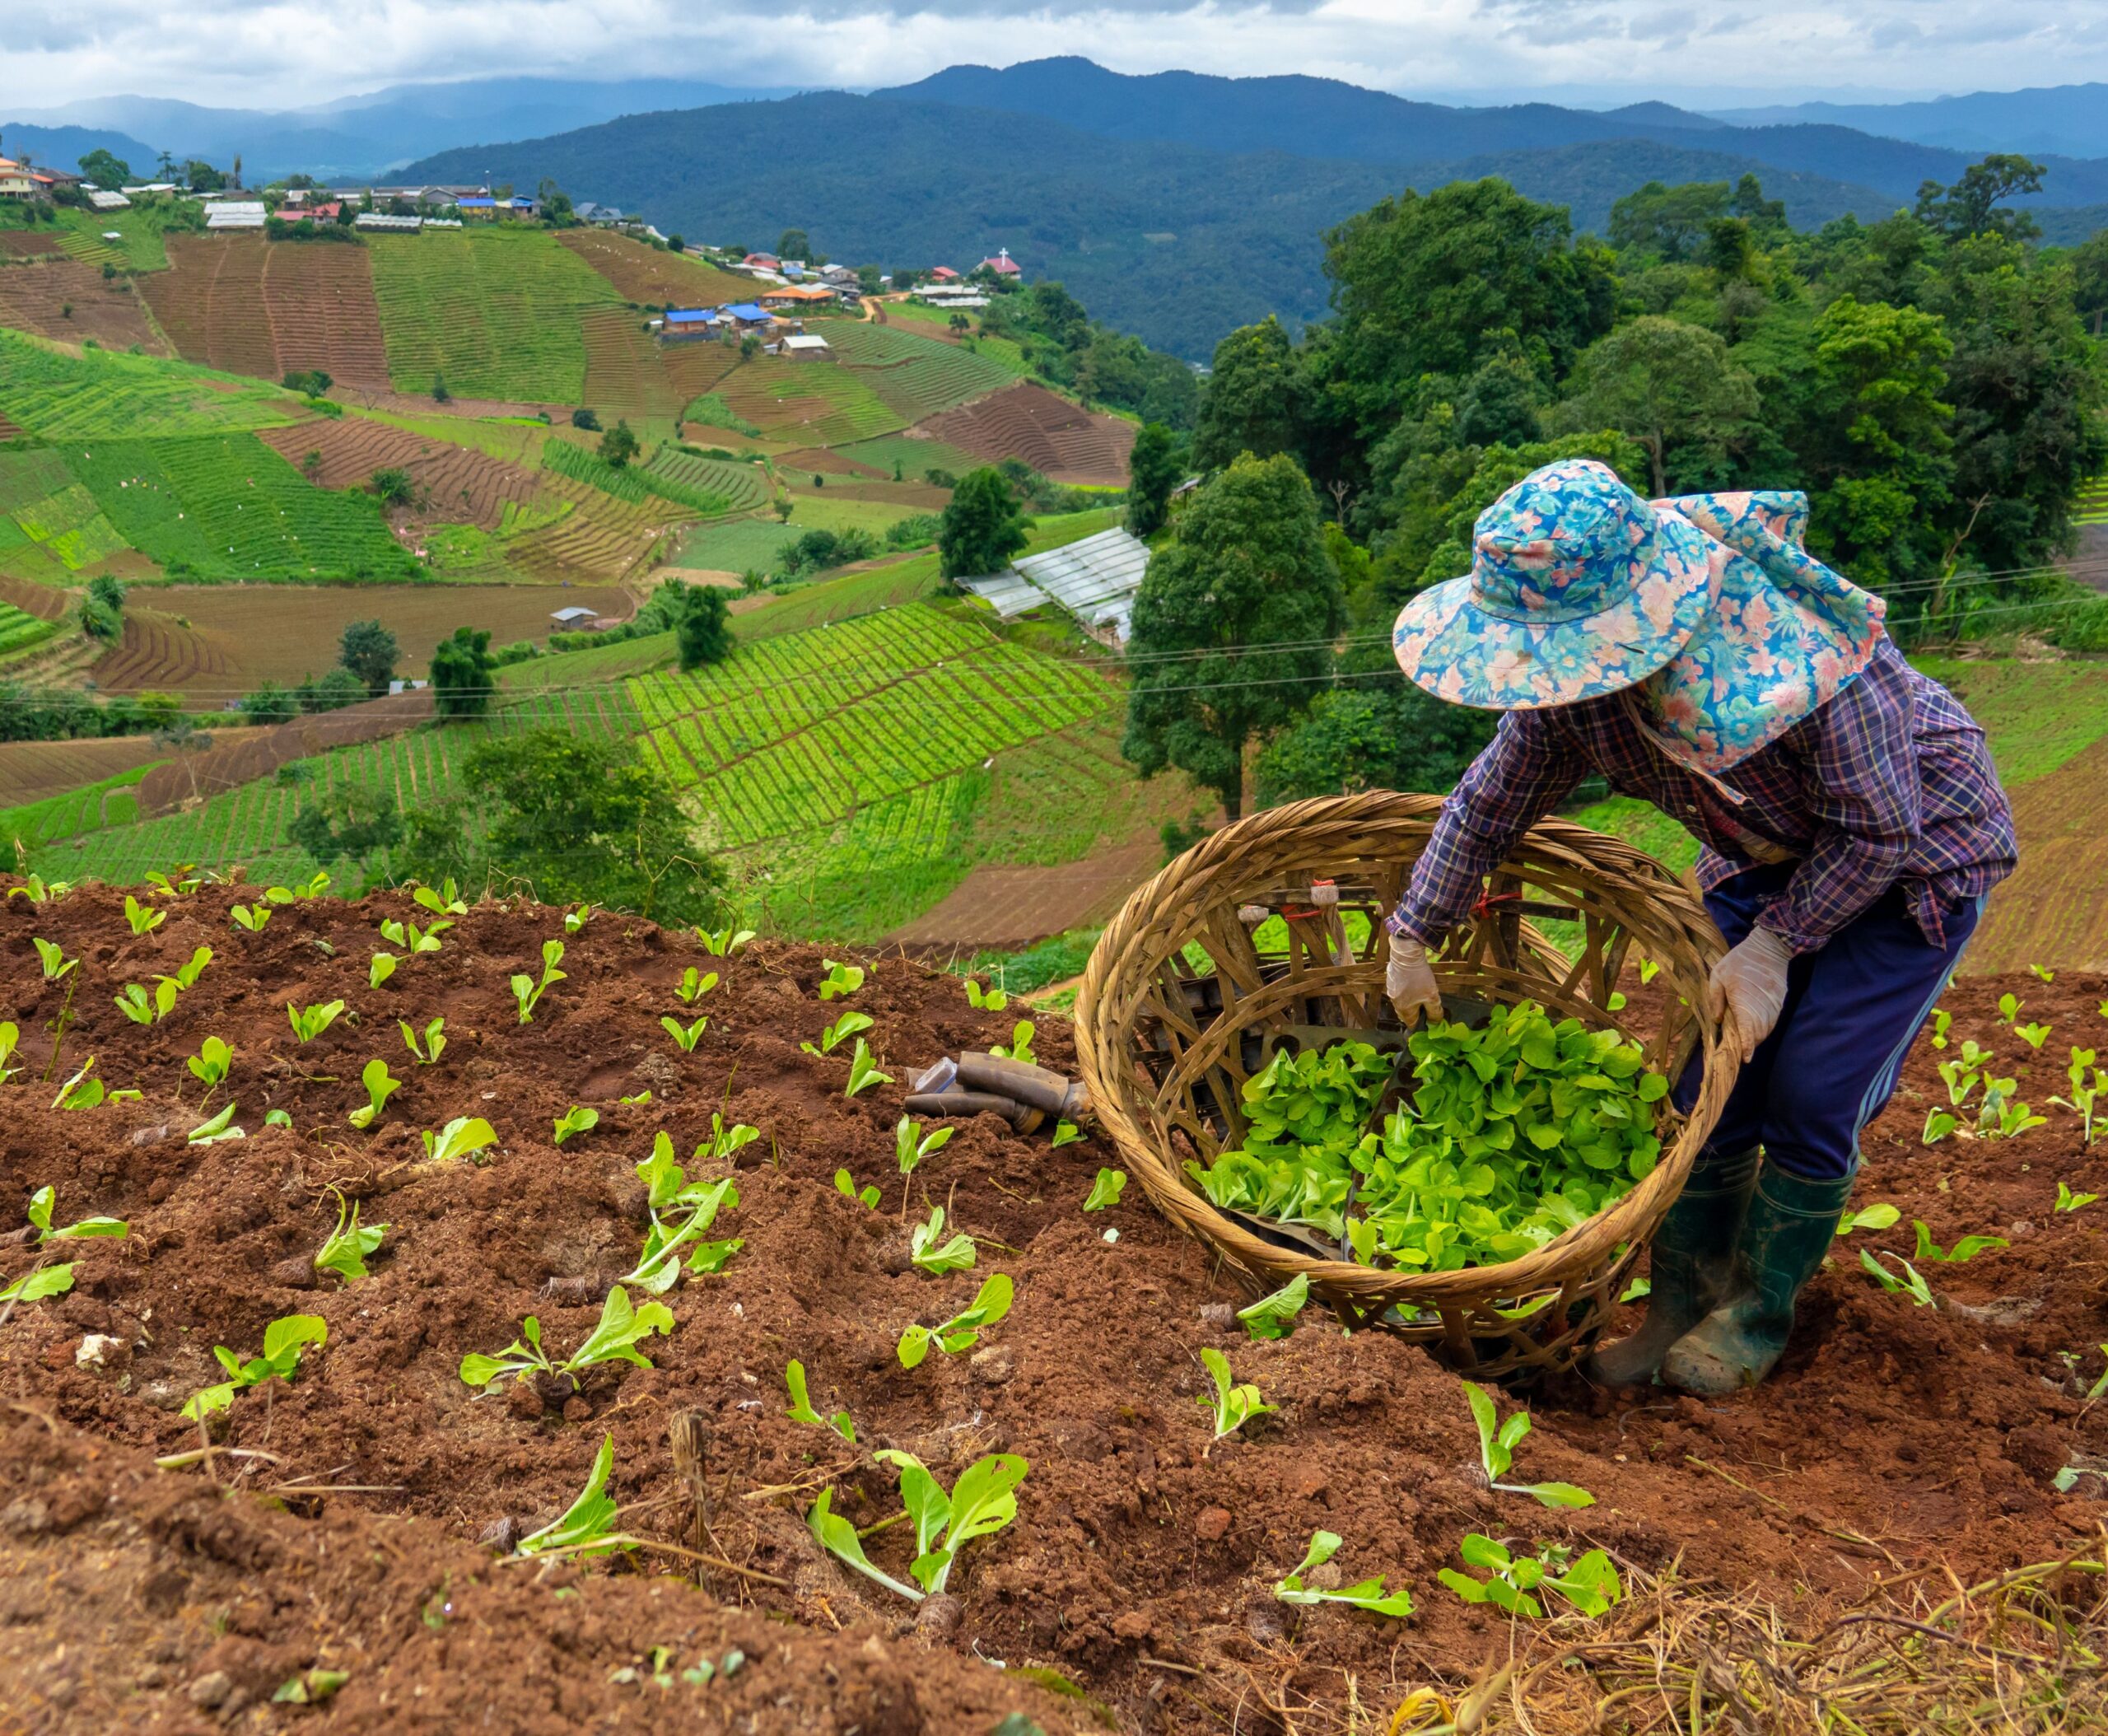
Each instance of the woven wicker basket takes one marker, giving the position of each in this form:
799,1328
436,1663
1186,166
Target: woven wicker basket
1165,1050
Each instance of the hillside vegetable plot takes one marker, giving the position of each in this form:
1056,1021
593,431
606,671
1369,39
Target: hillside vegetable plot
652,277
496,310
1048,432
624,374
742,488
242,303
916,375
50,526
461,485
67,299
96,395
812,403
797,733
913,456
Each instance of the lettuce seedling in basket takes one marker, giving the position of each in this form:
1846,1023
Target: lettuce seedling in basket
347,1245
1274,1316
585,1527
622,1328
528,991
930,1252
981,1503
54,959
685,1036
726,941
842,980
846,1026
1232,1405
434,1044
962,1331
310,1022
1497,1444
576,1119
462,1136
683,1210
142,918
381,1084
446,902
694,985
284,1339
1369,1595
1590,1583
864,1070
41,1205
801,1405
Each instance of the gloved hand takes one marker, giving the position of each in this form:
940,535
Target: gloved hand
1409,983
1751,983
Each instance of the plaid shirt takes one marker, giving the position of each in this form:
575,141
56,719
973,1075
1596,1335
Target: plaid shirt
1889,782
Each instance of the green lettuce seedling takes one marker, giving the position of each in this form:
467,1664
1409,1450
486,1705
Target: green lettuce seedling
138,1006
864,1070
142,919
82,1091
1369,1595
277,1118
1591,1583
348,1245
2033,1035
412,939
39,1283
180,881
381,969
1879,1216
840,979
910,1145
695,985
622,1328
55,962
1232,1405
1497,1444
683,1210
1942,1020
310,1022
444,902
962,1331
2067,1201
283,1341
10,1035
685,1037
462,1136
575,1119
576,918
1066,1133
2085,1091
987,999
847,1025
1106,1189
1274,1316
585,1527
981,1503
2042,971
250,917
1912,1284
38,892
41,1206
867,1196
435,1041
1019,1048
1938,1124
381,1084
933,1255
212,1132
801,1406
528,991
310,1687
1967,1248
725,942
2009,1007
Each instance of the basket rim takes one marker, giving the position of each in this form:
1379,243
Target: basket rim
1254,844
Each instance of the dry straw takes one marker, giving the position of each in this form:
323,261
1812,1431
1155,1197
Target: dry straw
1166,1046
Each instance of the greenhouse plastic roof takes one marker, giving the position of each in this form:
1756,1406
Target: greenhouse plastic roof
1095,579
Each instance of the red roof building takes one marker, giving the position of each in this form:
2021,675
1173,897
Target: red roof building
763,261
944,274
1003,265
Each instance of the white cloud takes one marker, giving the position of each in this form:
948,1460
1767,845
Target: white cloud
255,53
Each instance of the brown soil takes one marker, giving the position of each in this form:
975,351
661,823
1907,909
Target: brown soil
461,485
253,306
1048,432
2055,907
650,277
1006,909
35,298
1894,1438
29,244
30,771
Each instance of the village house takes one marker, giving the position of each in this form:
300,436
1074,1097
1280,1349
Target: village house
802,346
685,324
1002,264
943,274
763,262
797,295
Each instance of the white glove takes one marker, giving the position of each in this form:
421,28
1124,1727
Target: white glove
1751,983
1409,984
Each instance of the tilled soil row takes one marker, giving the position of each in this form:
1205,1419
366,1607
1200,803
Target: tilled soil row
1142,1565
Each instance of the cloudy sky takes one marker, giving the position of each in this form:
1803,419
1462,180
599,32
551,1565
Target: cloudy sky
256,53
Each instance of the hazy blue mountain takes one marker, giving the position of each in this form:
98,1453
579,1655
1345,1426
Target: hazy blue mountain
1173,242
2069,120
63,147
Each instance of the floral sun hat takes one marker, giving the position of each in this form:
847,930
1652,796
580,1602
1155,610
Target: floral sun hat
1578,587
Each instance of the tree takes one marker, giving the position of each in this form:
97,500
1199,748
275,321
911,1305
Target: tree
461,673
868,280
2089,264
369,650
392,486
203,177
1233,626
618,445
981,527
1155,468
578,819
1253,398
440,395
1382,733
1662,381
1666,221
588,420
331,691
270,703
1969,207
179,734
703,627
793,244
107,171
357,822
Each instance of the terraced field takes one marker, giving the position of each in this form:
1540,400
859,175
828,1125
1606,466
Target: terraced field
916,375
39,771
497,310
20,630
742,488
2093,503
580,530
1048,432
319,299
808,403
793,734
463,486
228,506
651,277
155,652
64,299
913,453
736,546
625,370
50,526
98,393
110,802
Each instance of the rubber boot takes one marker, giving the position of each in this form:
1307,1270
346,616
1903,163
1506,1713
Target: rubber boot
1691,1268
1787,1230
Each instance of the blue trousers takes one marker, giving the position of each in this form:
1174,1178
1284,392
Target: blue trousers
1853,1009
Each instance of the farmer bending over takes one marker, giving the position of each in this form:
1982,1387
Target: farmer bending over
1696,655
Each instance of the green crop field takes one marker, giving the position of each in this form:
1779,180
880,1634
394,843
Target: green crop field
882,866
50,526
917,375
842,598
494,310
596,664
2093,503
228,506
19,630
567,457
2037,716
89,808
140,229
795,733
98,395
913,457
818,404
736,545
742,488
812,509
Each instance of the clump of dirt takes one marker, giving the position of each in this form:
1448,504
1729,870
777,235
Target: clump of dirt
1140,1568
